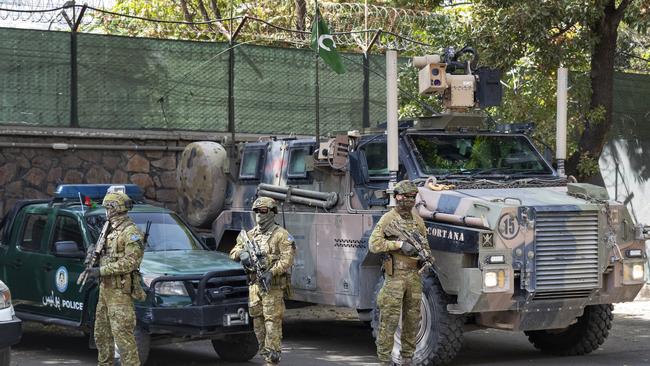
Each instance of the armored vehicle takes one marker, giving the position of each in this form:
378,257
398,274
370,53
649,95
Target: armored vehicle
518,246
192,293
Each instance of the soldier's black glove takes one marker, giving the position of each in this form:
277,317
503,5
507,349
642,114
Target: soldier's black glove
408,249
267,276
245,259
92,273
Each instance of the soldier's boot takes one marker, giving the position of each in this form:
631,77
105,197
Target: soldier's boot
272,358
407,361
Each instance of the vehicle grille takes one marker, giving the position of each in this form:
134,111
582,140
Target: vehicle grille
566,258
222,289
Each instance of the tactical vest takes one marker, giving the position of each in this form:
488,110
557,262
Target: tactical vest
270,246
115,250
399,260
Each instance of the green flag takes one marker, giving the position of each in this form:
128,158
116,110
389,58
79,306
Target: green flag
321,38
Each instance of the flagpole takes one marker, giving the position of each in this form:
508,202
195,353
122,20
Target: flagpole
317,92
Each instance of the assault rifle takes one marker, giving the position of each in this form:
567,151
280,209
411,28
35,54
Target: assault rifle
418,241
257,266
92,257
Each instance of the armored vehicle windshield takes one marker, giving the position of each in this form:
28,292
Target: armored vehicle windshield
167,231
477,155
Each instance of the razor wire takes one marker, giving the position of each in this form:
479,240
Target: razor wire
353,25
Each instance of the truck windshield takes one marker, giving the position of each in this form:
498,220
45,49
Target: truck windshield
167,232
462,154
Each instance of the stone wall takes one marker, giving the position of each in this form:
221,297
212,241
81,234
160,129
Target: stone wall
33,161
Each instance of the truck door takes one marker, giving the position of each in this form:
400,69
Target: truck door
28,262
64,272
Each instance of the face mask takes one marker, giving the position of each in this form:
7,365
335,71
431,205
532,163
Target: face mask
265,220
114,217
405,205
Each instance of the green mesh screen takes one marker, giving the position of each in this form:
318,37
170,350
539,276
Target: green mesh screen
631,108
132,83
146,83
34,77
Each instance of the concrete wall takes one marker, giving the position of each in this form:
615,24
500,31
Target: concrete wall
33,161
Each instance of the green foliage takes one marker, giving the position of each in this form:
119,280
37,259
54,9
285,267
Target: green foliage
528,40
588,165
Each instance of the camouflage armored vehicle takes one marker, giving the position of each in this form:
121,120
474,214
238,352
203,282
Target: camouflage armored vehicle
518,247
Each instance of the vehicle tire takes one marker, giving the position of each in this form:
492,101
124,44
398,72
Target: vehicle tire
582,337
5,356
142,342
237,347
441,334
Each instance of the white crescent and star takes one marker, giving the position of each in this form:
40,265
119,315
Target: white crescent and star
322,39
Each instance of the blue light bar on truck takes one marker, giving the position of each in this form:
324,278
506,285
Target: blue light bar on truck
95,191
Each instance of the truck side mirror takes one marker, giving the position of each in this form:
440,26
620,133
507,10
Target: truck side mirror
68,249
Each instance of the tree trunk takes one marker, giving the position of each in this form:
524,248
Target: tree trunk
301,12
595,135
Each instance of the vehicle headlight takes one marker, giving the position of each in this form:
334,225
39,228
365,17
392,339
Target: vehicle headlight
165,288
5,296
171,288
633,271
637,272
496,259
496,279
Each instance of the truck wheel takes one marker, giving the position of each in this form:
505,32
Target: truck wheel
441,334
582,337
142,342
5,356
236,348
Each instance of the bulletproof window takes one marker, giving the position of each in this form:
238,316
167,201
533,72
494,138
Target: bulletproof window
33,232
67,228
464,154
298,162
251,163
376,159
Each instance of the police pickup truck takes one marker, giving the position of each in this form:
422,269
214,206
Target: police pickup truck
192,293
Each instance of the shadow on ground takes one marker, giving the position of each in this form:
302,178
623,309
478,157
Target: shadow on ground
342,341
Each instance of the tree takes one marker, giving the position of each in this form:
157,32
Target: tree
530,39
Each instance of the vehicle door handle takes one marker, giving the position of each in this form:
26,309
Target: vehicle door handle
17,263
47,267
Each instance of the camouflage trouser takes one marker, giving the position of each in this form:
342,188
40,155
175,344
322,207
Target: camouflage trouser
267,311
401,294
114,324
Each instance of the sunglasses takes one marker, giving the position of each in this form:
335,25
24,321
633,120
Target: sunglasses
409,195
261,210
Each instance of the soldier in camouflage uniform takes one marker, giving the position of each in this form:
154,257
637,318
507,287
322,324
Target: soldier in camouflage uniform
118,266
402,289
267,309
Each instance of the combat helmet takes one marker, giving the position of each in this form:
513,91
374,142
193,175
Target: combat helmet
267,202
119,202
405,187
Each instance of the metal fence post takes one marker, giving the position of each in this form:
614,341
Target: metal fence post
74,77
